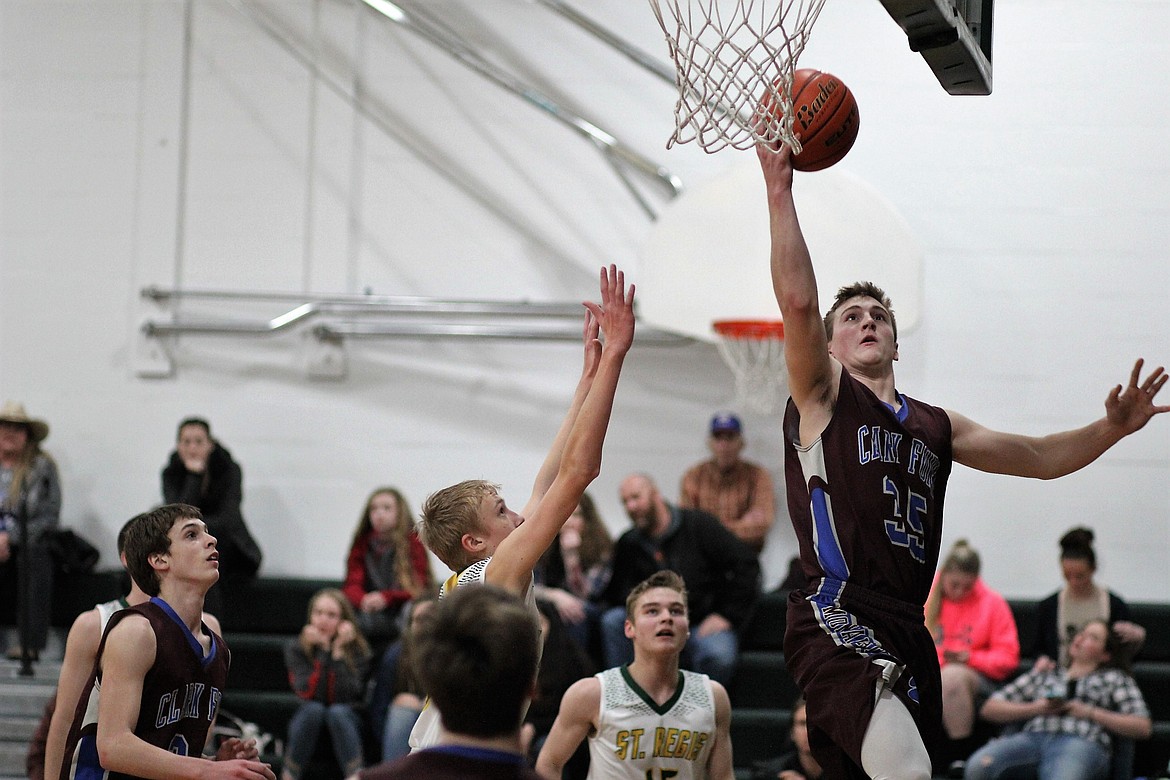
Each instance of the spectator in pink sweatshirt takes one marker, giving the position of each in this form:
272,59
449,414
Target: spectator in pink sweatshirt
975,635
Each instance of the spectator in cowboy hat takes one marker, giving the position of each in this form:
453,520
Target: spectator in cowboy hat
29,489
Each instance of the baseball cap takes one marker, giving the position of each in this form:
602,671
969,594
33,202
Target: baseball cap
725,422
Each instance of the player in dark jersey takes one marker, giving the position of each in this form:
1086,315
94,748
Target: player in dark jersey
160,670
81,648
866,471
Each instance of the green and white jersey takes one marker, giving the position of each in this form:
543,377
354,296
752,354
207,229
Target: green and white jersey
638,739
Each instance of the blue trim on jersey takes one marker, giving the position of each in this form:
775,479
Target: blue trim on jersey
196,647
829,554
903,409
828,591
846,631
479,754
88,765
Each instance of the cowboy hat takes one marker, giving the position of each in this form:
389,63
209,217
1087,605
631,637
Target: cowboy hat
13,412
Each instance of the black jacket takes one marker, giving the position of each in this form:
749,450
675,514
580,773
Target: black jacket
721,572
218,493
1048,632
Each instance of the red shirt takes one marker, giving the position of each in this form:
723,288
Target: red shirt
355,572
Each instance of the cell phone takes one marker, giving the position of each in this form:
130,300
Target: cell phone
1071,690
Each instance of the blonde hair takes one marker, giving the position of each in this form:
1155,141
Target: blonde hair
962,557
450,513
28,459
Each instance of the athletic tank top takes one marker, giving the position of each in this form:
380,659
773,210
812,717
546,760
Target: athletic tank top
105,611
866,498
429,724
180,693
638,738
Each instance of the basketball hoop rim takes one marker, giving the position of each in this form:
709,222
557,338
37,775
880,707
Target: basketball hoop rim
749,329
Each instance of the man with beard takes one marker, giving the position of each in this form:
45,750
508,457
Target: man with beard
722,574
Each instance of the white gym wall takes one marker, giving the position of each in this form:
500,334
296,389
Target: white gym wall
1042,212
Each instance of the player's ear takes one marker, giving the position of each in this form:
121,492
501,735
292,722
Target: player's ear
629,629
471,543
159,560
895,350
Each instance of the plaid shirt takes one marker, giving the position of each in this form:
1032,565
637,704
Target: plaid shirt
1109,689
728,495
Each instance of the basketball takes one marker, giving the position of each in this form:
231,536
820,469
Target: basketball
825,118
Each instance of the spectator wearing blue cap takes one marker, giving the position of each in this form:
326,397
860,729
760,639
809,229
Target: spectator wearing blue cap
736,491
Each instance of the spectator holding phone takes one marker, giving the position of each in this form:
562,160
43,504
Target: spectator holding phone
1069,715
976,639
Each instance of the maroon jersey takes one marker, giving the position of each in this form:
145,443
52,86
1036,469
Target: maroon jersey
180,693
866,504
866,498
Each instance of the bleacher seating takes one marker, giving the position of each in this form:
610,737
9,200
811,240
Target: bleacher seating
272,609
257,624
762,692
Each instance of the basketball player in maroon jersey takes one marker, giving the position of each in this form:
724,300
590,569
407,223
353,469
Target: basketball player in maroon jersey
81,648
160,670
866,470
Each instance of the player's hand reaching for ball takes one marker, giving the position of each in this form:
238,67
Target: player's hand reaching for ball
615,313
776,163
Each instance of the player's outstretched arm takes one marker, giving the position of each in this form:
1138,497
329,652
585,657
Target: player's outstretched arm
1127,409
719,763
575,720
552,461
80,649
812,373
511,565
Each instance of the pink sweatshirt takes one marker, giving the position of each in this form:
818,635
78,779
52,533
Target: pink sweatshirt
981,623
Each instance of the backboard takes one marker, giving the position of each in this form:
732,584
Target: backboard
953,36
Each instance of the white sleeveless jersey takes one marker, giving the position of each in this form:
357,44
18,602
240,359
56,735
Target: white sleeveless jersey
638,739
427,728
105,611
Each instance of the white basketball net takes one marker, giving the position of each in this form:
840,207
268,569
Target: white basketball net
730,55
758,365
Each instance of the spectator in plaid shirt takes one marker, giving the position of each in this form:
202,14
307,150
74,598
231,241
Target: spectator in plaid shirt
736,491
1069,715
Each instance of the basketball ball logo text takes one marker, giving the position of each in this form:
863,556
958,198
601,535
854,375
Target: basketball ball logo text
806,114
